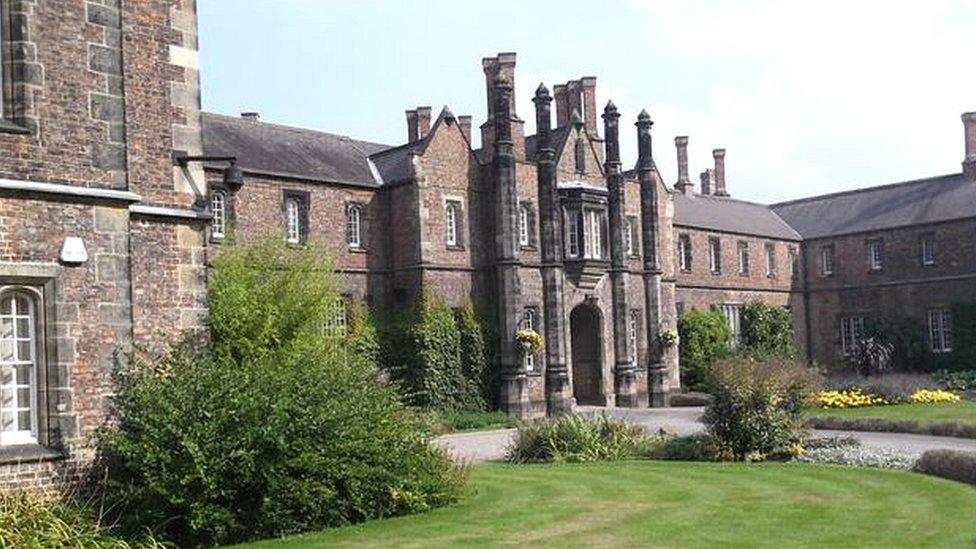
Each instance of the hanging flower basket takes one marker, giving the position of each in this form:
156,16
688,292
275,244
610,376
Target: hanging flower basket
530,341
668,338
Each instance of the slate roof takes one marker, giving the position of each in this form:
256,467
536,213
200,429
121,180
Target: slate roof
287,151
730,215
915,202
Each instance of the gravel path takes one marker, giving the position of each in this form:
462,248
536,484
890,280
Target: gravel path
490,445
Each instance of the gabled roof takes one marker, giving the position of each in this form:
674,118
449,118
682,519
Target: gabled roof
287,151
719,213
917,202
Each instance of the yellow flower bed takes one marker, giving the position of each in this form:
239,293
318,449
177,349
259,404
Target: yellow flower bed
848,398
924,396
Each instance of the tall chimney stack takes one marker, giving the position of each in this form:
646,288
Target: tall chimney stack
707,177
645,157
969,163
574,98
684,184
588,85
423,122
719,156
562,106
412,134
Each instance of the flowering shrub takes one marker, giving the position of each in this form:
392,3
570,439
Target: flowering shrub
530,339
847,398
926,397
956,381
669,338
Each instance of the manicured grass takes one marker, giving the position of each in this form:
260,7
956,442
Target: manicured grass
960,412
671,504
459,422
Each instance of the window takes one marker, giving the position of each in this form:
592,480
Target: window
926,244
580,156
940,330
452,223
293,225
684,252
733,314
354,225
794,262
572,234
743,258
715,254
633,327
526,225
218,209
851,332
770,259
335,324
592,234
630,234
827,261
18,368
530,321
876,255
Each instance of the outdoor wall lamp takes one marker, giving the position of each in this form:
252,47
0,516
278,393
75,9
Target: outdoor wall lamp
233,174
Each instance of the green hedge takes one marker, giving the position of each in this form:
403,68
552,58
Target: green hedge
767,330
704,337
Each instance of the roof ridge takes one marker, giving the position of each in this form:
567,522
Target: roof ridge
863,190
290,128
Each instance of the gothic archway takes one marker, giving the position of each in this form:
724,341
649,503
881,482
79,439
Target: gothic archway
585,330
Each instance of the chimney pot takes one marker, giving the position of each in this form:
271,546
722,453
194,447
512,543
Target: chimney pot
969,162
251,115
684,183
719,156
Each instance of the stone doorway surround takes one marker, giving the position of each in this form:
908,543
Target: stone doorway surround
585,325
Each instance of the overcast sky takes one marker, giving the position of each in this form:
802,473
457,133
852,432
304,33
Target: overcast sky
808,97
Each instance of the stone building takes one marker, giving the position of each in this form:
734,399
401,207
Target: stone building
102,235
115,190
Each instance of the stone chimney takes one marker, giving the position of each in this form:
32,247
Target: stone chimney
251,115
562,107
423,122
412,134
588,88
969,163
719,156
684,184
464,122
574,98
645,155
501,69
707,178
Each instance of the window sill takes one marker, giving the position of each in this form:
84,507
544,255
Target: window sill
357,250
25,453
455,248
7,126
744,275
527,247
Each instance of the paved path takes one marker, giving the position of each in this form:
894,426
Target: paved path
490,445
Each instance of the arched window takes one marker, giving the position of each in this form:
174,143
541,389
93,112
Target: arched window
18,368
218,209
354,225
293,225
452,217
524,228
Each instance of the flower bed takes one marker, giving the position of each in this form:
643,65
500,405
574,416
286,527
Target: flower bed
847,398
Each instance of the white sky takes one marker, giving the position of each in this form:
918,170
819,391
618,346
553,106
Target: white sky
807,97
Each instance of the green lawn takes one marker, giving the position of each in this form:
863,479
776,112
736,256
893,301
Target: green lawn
961,412
670,504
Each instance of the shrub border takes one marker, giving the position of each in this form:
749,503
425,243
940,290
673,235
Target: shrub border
881,425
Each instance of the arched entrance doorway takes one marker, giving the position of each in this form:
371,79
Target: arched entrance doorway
584,327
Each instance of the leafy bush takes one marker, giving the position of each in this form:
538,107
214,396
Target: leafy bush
871,356
758,405
767,331
474,359
950,464
31,521
423,352
963,336
575,438
956,381
905,338
272,430
703,337
451,422
698,447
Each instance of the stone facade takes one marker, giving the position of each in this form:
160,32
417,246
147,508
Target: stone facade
98,95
